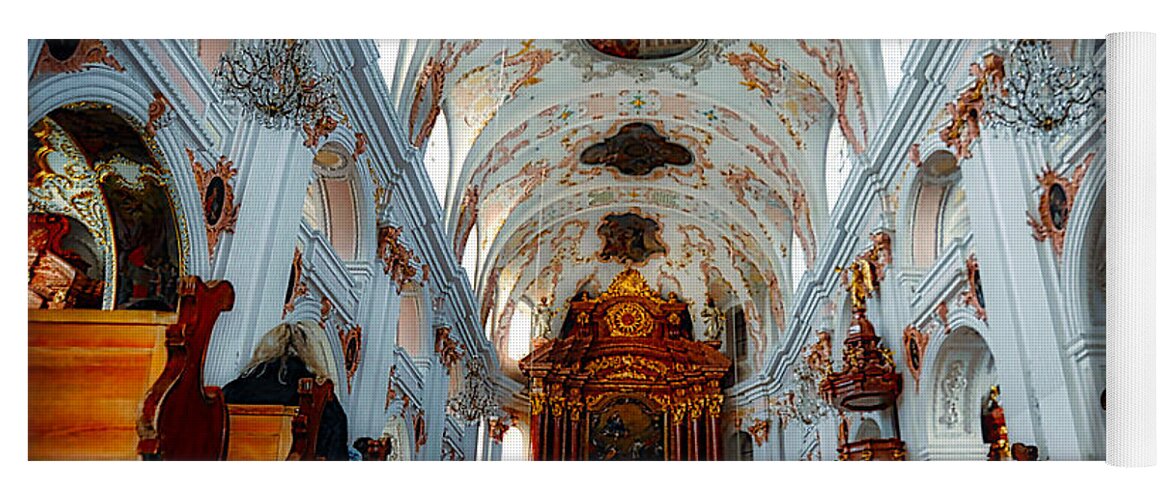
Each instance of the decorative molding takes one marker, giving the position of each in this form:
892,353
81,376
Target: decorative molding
359,146
759,430
686,67
941,311
430,83
420,424
967,111
498,426
1057,196
449,349
915,350
86,54
834,65
952,389
300,289
218,195
157,116
318,131
974,296
397,260
351,340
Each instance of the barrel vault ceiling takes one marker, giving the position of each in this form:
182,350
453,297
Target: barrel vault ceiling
700,163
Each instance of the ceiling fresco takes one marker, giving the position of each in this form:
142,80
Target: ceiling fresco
721,143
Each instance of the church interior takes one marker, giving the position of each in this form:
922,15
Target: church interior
566,250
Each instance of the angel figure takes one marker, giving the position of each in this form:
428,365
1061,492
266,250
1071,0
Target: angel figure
544,317
715,320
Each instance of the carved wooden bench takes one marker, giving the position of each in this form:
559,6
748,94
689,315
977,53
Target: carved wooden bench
88,372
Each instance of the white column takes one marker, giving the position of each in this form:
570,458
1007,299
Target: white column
274,167
378,315
1015,270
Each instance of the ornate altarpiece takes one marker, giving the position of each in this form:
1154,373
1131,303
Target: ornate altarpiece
626,381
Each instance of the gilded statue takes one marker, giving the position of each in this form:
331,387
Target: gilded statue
715,319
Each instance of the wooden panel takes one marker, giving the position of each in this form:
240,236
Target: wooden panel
260,432
88,373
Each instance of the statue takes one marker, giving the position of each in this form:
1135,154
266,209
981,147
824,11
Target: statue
715,319
544,317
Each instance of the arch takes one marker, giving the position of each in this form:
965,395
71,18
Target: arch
335,201
92,161
937,215
130,99
959,375
1085,255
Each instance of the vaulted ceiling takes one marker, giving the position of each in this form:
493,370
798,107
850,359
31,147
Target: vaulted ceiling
700,163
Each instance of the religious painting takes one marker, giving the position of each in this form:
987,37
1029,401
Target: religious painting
65,264
630,238
626,429
644,50
147,246
637,149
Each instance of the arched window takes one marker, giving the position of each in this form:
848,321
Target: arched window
797,266
520,331
744,446
837,166
940,212
437,159
331,206
515,445
410,321
471,256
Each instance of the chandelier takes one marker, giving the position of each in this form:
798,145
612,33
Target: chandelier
277,82
1040,97
475,399
802,401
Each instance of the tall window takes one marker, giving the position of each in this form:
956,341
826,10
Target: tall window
437,159
515,445
471,257
837,166
797,265
520,330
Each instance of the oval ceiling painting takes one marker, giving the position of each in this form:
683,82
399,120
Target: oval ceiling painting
643,50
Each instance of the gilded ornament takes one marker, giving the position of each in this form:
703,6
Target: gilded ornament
628,319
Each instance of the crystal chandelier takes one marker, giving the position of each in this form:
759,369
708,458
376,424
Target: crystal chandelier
277,82
1039,96
476,398
802,401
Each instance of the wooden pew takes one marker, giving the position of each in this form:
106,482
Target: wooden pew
279,432
314,397
181,418
88,371
260,432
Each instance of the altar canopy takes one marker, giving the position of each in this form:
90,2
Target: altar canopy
626,381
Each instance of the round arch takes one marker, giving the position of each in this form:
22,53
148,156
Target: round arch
958,374
131,99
